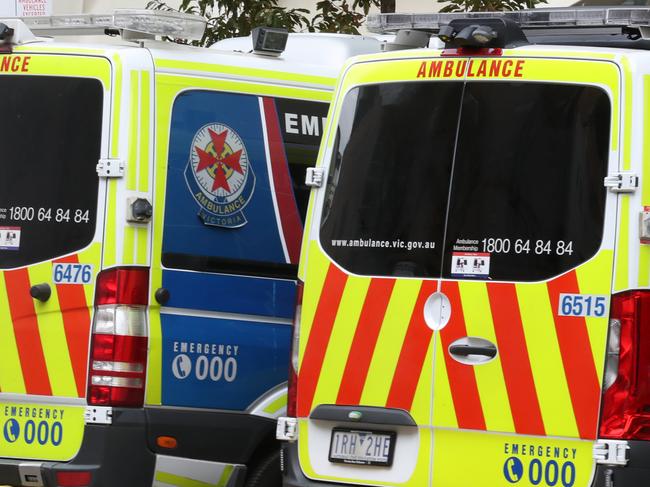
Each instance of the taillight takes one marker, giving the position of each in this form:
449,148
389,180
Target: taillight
73,478
626,401
472,51
118,350
292,393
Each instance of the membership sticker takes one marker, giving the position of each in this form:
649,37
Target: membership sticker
9,238
470,264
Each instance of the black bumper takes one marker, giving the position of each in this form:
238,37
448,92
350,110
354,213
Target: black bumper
115,455
635,474
124,453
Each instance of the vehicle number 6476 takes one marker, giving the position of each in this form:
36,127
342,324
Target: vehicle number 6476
72,273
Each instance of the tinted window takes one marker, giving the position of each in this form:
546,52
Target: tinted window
392,167
50,140
526,201
235,185
302,123
528,178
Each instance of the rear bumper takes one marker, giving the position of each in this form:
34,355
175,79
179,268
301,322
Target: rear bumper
124,452
115,455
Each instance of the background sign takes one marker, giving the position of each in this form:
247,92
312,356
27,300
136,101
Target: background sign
25,8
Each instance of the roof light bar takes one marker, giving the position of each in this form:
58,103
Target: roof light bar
149,22
527,19
172,24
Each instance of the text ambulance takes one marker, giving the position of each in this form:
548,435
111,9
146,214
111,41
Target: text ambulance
151,205
476,267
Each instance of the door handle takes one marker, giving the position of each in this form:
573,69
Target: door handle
465,350
472,350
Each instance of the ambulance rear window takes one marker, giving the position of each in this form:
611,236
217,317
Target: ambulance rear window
527,189
477,180
50,139
389,181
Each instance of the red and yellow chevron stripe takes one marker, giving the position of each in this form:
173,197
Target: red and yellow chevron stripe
367,343
44,346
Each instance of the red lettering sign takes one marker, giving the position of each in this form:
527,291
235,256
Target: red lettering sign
14,64
434,69
475,68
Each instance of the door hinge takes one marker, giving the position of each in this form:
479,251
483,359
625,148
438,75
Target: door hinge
622,182
286,429
611,452
98,415
314,177
110,168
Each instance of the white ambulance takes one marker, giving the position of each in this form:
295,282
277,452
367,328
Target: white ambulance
476,260
151,205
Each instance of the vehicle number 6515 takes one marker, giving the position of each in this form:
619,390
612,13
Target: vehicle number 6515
582,305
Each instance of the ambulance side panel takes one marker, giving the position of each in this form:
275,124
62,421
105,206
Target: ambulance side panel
230,162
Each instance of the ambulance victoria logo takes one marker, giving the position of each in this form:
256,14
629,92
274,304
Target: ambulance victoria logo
220,176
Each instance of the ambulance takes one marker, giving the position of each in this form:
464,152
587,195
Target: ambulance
151,205
475,270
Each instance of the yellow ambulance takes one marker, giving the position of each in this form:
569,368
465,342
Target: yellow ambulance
151,204
476,260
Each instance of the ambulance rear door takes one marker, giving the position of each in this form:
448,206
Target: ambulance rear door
470,192
526,271
54,130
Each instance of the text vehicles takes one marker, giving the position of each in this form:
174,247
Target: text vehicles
475,264
150,223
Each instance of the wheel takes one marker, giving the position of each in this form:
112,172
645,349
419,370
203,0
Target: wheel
266,473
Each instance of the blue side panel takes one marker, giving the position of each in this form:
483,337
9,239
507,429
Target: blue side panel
219,363
219,207
230,294
185,232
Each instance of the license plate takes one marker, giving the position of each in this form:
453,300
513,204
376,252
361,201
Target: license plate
362,447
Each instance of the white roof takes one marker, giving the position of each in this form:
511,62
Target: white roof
312,48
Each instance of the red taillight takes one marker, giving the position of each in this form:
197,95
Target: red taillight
626,402
73,479
472,51
292,393
118,351
123,285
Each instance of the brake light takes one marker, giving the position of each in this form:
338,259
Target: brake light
626,401
472,51
118,350
292,393
73,479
